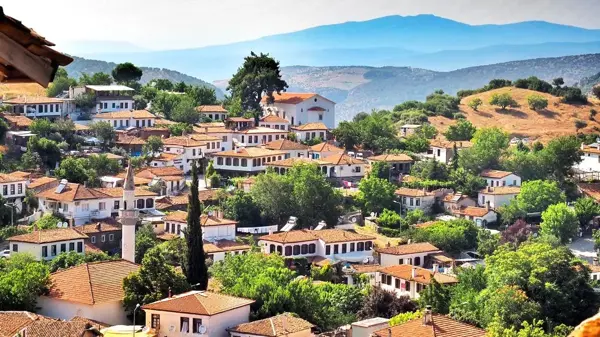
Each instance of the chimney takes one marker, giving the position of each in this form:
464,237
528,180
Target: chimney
98,226
487,205
436,267
427,317
582,146
414,272
70,222
595,261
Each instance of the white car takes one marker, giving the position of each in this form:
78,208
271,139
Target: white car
5,253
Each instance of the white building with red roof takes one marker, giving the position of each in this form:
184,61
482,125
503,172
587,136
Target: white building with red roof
285,324
311,131
408,280
242,161
431,325
301,108
127,118
214,112
293,149
48,243
414,254
500,178
275,122
12,188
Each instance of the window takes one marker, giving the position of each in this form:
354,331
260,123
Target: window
288,251
219,160
344,247
65,207
439,152
93,239
249,141
336,249
137,124
419,287
197,323
53,250
103,238
320,117
417,261
328,250
272,249
304,249
115,124
140,203
5,190
117,204
184,324
411,201
15,248
40,108
244,162
178,229
63,247
71,246
352,246
312,248
114,105
12,188
121,105
167,227
296,249
383,278
407,286
236,161
418,201
85,207
389,280
228,161
102,206
79,247
193,152
126,105
20,188
224,138
105,105
368,245
155,321
52,108
44,251
397,283
150,202
360,246
400,261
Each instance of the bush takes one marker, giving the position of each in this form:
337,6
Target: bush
503,100
475,103
579,124
537,102
459,116
390,219
596,91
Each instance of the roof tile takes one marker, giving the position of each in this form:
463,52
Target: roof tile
199,303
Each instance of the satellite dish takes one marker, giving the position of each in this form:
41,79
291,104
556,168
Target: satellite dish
59,225
365,260
202,329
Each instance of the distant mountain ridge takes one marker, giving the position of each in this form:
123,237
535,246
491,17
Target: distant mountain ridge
81,65
424,41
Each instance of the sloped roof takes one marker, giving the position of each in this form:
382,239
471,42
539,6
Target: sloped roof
199,303
392,158
343,159
441,326
48,236
422,275
288,97
260,130
73,192
220,246
411,192
495,174
11,178
126,114
326,147
447,144
91,283
311,126
151,172
591,190
285,144
280,325
274,119
99,226
472,211
250,152
12,323
211,108
327,235
184,141
411,248
19,121
117,192
501,190
129,140
290,162
205,220
33,100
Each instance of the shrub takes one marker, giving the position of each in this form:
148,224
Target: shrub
593,113
579,124
475,103
596,91
537,102
503,100
459,115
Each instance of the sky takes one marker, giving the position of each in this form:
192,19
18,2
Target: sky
178,24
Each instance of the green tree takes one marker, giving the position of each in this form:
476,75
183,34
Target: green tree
450,236
560,221
537,102
427,131
73,169
101,165
125,73
202,95
437,296
585,209
185,111
47,150
380,169
145,239
22,281
197,272
104,132
509,304
537,195
154,281
41,127
375,194
389,219
66,260
153,146
242,208
164,103
98,78
405,317
162,84
429,170
416,144
85,101
348,134
61,83
179,129
560,155
462,130
259,75
488,146
384,303
475,103
487,243
467,182
503,100
273,196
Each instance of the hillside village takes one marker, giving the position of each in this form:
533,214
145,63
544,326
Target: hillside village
157,209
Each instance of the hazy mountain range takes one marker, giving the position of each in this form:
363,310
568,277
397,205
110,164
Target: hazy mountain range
423,41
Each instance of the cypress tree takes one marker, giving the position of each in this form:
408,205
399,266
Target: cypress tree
197,272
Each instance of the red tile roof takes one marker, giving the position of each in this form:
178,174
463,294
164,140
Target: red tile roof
205,220
135,114
441,326
184,141
17,323
18,121
343,159
411,192
422,275
280,325
40,182
591,190
91,283
274,119
199,303
501,190
311,126
290,162
285,144
49,236
392,158
327,235
289,97
250,152
476,212
411,248
446,144
326,147
220,246
99,226
211,108
494,174
33,100
11,178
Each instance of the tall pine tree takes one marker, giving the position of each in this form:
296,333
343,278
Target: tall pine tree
197,272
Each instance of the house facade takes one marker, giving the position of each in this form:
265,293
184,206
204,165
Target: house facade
413,254
323,150
105,234
46,244
281,325
311,131
412,199
293,149
590,159
301,108
257,136
495,197
456,201
481,216
107,98
12,189
344,167
38,107
500,178
399,163
407,280
274,122
197,312
183,151
443,150
244,161
214,112
123,119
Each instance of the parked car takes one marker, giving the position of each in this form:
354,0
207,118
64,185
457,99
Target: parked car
5,253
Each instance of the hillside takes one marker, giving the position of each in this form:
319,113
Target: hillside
10,90
422,41
556,120
81,65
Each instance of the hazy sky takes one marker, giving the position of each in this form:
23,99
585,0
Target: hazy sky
169,24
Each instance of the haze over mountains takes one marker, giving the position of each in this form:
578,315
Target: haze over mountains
423,41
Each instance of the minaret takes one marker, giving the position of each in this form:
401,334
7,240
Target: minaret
128,217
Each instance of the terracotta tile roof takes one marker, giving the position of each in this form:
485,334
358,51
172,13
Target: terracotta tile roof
588,328
366,268
285,144
310,126
81,127
205,220
41,181
392,158
123,139
290,162
99,226
495,174
591,190
501,190
281,325
442,257
220,246
590,149
411,248
212,129
49,236
316,108
199,303
250,152
446,144
13,323
93,323
210,125
261,130
33,100
91,248
91,283
167,157
181,200
326,235
162,121
177,216
19,121
126,114
274,119
456,197
211,108
183,141
411,192
441,326
422,275
477,212
288,97
117,192
21,174
343,159
168,237
326,147
205,137
151,172
11,178
108,155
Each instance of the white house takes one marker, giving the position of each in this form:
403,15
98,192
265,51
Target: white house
12,189
197,313
217,130
127,118
293,149
495,197
274,122
249,160
456,201
186,149
594,270
301,108
93,290
37,107
443,150
256,136
214,112
277,326
409,129
590,159
407,280
481,216
413,254
500,178
107,98
309,131
411,199
48,243
332,244
282,166
324,149
342,166
399,163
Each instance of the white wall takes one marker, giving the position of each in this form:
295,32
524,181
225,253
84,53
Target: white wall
111,313
510,180
249,166
352,171
393,260
412,293
301,115
320,249
36,249
496,200
311,134
113,105
210,233
257,139
425,203
590,162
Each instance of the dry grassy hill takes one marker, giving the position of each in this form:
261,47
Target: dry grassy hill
556,120
10,90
